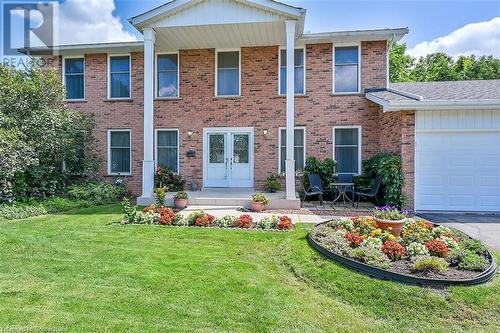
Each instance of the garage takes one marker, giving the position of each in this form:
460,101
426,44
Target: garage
457,161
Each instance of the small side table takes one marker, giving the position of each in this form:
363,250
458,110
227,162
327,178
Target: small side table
342,189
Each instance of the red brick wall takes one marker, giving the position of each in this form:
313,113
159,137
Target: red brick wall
259,107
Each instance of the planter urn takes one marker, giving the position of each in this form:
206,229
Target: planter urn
394,227
180,203
257,207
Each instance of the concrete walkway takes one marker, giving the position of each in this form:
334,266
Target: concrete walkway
485,227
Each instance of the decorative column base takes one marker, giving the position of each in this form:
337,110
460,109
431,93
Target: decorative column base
148,173
290,180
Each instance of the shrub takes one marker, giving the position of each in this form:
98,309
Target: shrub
437,248
371,256
353,239
429,264
285,223
160,193
389,167
21,211
130,211
260,198
473,262
97,193
269,222
204,221
416,250
244,221
325,169
473,245
391,213
273,183
226,221
167,216
393,250
416,231
191,219
164,177
181,195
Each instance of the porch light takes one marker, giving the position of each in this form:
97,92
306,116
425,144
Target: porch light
190,133
265,132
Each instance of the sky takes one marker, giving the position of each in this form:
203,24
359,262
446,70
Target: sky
454,27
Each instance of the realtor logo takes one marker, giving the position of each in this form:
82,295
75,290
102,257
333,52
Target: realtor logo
27,24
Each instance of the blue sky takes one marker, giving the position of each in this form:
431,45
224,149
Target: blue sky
426,19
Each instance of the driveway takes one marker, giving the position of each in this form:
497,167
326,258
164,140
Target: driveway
485,227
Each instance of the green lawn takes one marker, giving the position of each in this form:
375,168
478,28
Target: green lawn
84,272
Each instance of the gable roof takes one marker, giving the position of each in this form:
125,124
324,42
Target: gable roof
472,94
174,6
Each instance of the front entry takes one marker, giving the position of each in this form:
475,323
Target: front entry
228,157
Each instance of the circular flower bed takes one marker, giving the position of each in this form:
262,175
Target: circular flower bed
423,253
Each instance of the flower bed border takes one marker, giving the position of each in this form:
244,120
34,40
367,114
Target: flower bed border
123,223
383,274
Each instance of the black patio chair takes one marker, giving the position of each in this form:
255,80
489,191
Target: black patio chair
315,188
370,193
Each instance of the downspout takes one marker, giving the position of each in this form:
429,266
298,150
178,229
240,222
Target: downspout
389,47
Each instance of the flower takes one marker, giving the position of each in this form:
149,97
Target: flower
393,250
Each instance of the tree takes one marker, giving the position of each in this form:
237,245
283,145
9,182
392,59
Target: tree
37,133
400,63
434,67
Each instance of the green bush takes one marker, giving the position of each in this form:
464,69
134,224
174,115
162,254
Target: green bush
389,167
325,169
21,211
97,193
273,183
473,262
427,263
473,245
164,177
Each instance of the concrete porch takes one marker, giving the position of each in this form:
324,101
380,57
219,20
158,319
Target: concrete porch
230,197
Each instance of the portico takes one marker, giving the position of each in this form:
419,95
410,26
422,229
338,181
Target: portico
219,25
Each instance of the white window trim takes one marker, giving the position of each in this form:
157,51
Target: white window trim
359,68
279,145
109,152
178,147
217,70
130,76
304,48
64,75
360,145
156,76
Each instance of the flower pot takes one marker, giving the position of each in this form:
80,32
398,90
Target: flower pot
257,207
394,227
180,203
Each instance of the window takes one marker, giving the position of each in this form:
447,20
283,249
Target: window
298,69
346,76
119,152
167,149
74,78
167,75
119,77
347,151
228,73
299,149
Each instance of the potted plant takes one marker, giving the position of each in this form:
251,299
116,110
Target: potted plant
390,218
259,201
273,183
180,200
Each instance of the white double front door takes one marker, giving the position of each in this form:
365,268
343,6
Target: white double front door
228,157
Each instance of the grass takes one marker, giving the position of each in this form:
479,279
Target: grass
83,272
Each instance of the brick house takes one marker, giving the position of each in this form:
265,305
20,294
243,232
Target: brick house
228,92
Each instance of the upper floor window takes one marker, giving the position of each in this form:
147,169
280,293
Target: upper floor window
168,75
299,147
347,149
228,73
299,78
346,75
119,76
119,152
74,80
167,149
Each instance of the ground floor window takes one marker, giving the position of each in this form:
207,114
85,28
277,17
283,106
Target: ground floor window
299,149
167,149
119,152
347,149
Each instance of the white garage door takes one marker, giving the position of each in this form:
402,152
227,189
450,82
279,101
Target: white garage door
457,169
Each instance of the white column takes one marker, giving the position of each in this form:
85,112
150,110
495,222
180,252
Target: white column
148,165
290,110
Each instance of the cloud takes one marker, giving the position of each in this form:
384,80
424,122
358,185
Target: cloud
482,38
90,21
